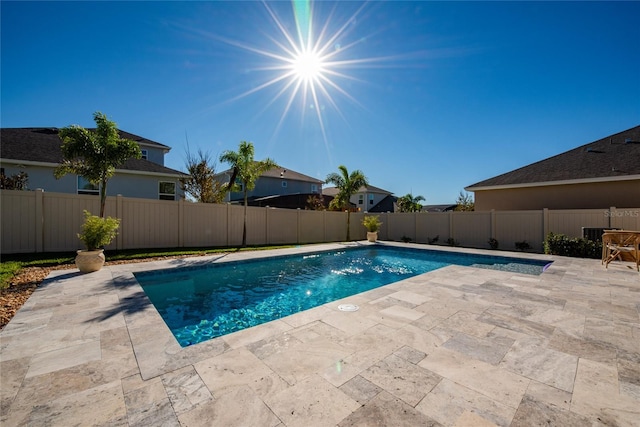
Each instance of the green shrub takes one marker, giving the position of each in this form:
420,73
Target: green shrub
98,232
523,246
493,243
559,244
371,223
434,240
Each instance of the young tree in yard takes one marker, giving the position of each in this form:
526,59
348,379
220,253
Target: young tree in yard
408,203
246,170
347,184
16,181
464,202
200,184
95,154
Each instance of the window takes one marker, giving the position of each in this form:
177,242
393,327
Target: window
145,154
85,187
167,190
370,199
360,199
314,188
284,184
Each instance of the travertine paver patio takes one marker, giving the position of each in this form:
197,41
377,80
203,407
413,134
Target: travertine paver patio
459,346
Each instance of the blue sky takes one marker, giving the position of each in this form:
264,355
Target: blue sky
426,97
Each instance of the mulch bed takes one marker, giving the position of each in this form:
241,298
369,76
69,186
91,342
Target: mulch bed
29,278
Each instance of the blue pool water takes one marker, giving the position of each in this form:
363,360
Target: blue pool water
201,303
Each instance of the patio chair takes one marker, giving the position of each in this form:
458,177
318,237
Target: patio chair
615,244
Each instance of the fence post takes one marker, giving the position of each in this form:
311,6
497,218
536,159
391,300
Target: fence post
451,230
228,225
492,230
39,225
267,235
298,227
119,213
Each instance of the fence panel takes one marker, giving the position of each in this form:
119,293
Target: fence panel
519,226
63,217
19,219
401,224
335,226
256,225
471,229
282,226
570,222
625,219
311,226
150,223
432,225
205,224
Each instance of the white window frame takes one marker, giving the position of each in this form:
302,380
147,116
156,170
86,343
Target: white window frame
284,184
371,197
145,154
81,190
165,196
360,199
314,188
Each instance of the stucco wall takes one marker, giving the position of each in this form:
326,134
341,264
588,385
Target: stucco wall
621,194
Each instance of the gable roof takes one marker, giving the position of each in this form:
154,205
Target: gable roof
42,145
615,157
332,191
282,173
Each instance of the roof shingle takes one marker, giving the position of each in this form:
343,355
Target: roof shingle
614,156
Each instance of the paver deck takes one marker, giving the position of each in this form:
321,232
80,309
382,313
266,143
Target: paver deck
458,346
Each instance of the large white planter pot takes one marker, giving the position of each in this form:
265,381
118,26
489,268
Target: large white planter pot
90,261
372,236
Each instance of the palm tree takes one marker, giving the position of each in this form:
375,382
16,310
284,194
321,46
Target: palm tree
347,185
247,171
94,154
408,203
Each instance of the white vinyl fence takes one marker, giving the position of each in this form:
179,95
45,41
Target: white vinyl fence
35,221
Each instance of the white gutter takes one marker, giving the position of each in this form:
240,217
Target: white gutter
121,171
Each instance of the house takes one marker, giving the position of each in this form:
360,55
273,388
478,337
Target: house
368,199
278,187
36,151
598,175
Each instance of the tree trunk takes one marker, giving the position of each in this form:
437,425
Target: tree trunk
244,226
103,197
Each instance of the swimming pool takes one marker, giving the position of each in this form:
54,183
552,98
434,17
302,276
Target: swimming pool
200,303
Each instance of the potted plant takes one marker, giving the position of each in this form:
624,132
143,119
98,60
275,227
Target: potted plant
372,224
96,233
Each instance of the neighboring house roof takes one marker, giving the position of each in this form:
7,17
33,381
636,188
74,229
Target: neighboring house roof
385,205
615,157
332,191
42,145
438,208
283,173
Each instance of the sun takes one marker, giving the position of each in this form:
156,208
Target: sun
308,66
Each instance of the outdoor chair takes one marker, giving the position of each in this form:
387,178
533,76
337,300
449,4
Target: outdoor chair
617,243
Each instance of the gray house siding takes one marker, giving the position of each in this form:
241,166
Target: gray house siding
154,154
267,186
127,184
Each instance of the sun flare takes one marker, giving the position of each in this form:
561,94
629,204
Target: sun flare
308,66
